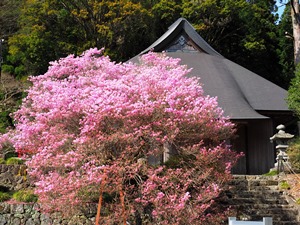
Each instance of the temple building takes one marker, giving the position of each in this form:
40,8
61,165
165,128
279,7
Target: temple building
253,103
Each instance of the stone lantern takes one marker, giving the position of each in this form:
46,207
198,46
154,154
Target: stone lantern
281,139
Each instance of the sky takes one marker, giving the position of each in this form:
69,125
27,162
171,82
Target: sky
280,7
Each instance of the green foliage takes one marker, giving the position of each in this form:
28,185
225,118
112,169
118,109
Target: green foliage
2,161
14,161
9,13
165,12
244,32
293,92
271,173
298,201
294,154
284,185
8,150
59,28
4,196
5,119
176,162
20,71
173,162
10,154
286,48
89,194
8,69
11,94
26,195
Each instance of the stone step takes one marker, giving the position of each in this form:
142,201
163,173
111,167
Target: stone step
286,223
257,188
256,194
270,201
255,178
255,197
241,182
274,208
276,218
279,222
277,214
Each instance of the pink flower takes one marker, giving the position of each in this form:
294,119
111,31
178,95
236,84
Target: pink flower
87,121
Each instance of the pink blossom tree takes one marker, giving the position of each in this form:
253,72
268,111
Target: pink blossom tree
142,136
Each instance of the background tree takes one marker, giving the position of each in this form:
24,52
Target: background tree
122,27
89,122
59,28
286,47
296,29
11,91
9,15
293,92
165,13
243,31
45,34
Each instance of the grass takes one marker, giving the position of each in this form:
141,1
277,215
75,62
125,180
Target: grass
14,161
2,161
4,196
25,195
284,185
271,173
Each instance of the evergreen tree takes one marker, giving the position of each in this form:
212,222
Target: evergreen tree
286,48
9,14
293,92
243,31
165,13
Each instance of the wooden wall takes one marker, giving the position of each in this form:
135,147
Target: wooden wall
261,155
253,138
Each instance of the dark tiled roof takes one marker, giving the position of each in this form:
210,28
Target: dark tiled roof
241,93
176,29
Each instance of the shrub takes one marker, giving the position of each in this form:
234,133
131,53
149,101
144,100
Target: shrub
8,69
25,196
14,161
87,122
284,185
271,173
293,152
2,161
20,71
11,154
4,196
6,147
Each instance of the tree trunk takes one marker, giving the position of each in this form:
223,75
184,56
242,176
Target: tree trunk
296,29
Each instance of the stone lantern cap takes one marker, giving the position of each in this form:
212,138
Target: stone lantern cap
281,134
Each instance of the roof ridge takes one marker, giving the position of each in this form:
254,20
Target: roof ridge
175,30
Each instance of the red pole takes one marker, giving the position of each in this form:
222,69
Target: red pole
100,202
123,206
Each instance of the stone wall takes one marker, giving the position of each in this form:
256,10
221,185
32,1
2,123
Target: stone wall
28,214
13,177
